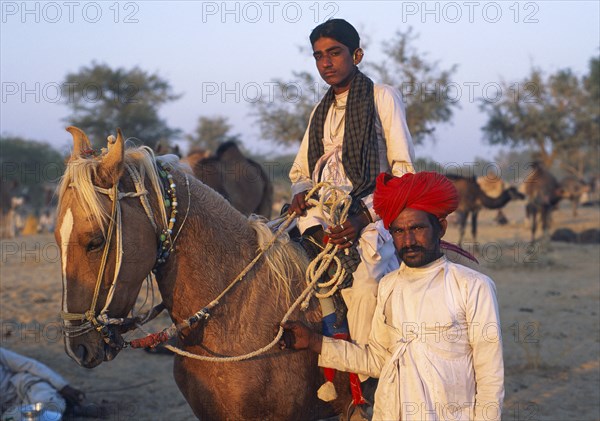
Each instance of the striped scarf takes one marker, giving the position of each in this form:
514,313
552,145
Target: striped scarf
360,156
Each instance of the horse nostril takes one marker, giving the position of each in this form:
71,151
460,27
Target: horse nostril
81,352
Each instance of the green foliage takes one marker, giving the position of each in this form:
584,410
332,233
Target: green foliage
557,117
210,133
284,118
421,82
34,168
102,99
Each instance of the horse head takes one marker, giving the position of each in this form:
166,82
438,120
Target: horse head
103,261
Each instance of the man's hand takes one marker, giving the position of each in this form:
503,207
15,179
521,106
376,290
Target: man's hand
299,204
73,396
346,234
296,335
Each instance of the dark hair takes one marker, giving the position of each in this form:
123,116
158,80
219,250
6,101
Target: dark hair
339,30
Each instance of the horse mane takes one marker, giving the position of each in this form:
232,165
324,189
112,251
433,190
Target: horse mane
283,259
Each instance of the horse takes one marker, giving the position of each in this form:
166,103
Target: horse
115,211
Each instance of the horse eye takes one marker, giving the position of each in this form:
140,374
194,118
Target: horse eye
95,244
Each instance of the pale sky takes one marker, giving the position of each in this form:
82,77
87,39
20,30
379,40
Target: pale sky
221,55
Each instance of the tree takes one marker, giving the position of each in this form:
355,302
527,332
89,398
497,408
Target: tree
210,133
556,117
283,117
102,99
34,167
423,86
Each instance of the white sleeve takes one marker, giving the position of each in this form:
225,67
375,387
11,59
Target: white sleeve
391,111
17,363
366,359
486,342
299,173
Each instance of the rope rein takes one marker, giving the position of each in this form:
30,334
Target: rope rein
334,205
101,322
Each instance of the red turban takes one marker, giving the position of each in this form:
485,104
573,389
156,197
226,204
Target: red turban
427,191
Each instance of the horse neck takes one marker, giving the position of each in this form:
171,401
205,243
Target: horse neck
214,243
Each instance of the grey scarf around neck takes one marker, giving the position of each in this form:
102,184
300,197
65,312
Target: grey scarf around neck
360,156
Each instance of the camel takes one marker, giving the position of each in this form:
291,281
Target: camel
493,186
194,156
240,180
472,198
115,211
573,188
543,194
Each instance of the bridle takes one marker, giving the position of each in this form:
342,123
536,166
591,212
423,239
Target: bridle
101,322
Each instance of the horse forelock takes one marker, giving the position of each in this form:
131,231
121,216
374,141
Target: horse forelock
81,172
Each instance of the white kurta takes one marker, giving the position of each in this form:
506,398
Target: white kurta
435,345
375,245
396,151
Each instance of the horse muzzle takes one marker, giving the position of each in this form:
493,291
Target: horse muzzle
93,348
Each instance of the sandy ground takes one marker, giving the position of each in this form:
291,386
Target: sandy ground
549,303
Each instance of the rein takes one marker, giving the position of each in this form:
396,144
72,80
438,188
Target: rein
332,201
337,205
101,322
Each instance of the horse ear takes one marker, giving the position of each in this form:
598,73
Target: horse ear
81,142
110,169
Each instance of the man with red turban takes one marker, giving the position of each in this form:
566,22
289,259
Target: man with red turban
435,340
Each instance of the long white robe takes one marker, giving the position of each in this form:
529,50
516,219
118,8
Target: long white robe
435,345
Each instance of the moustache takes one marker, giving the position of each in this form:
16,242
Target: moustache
405,250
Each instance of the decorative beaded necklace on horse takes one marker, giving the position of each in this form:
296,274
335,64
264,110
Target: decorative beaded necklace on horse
109,244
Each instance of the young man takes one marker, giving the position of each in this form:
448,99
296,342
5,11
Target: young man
435,342
355,132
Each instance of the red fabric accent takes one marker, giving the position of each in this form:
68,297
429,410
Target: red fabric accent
357,397
329,373
457,249
427,191
151,340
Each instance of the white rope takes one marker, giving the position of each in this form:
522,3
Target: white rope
334,205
